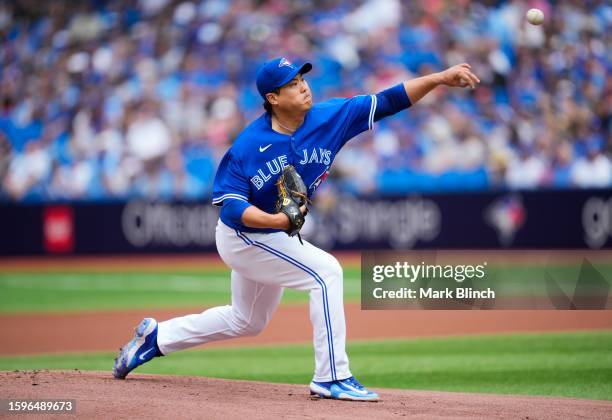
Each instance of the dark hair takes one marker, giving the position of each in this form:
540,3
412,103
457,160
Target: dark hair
267,105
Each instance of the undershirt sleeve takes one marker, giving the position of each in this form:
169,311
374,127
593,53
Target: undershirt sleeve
232,210
391,101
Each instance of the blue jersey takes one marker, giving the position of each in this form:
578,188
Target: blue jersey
249,169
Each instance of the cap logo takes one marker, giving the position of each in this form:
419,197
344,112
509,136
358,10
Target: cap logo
285,62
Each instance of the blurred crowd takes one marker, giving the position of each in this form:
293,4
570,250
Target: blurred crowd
112,99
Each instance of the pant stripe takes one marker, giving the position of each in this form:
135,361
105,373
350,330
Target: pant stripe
319,280
242,237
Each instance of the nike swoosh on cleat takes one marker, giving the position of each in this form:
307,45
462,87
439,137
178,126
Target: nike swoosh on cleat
141,357
356,390
263,149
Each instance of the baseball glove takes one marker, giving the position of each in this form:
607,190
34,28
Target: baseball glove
292,195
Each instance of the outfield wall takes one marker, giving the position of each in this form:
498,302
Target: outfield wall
544,219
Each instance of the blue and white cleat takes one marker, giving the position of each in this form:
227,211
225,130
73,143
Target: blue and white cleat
345,389
141,349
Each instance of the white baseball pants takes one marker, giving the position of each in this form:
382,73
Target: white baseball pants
262,266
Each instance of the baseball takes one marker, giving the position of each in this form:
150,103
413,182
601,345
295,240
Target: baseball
535,16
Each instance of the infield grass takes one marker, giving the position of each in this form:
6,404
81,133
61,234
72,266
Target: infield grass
55,292
560,364
73,291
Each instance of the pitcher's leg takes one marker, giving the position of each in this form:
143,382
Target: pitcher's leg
326,301
306,267
252,307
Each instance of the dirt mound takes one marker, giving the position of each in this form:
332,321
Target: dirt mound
107,331
99,396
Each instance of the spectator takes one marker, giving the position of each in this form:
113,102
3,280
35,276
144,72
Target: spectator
108,91
28,171
5,155
593,170
526,170
562,165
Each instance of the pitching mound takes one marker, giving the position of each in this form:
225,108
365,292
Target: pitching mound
99,396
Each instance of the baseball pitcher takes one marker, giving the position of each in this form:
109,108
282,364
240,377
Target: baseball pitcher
263,186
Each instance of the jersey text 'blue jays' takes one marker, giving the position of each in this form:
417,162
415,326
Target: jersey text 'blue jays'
250,167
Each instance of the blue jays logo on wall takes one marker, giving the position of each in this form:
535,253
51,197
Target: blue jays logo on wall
506,215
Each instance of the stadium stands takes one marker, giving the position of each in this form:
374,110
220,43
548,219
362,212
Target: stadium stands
109,100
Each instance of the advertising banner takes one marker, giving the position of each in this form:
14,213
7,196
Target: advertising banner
576,219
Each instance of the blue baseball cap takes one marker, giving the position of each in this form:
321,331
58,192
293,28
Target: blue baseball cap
278,72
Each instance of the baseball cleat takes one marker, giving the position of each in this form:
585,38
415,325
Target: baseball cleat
141,349
345,389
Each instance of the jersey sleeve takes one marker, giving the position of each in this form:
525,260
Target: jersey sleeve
359,111
230,182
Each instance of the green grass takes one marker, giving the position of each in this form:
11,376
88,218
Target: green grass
530,280
53,292
70,291
561,364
